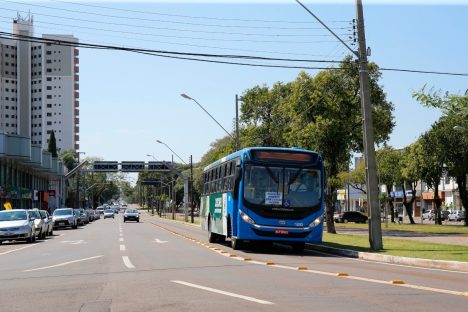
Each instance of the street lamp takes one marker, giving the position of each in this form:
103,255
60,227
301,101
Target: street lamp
460,128
77,200
190,98
161,142
152,156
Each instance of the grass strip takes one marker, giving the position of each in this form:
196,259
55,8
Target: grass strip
399,247
419,228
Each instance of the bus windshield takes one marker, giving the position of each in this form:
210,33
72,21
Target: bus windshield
283,187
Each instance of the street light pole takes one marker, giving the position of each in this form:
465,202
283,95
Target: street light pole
161,142
237,124
77,199
190,98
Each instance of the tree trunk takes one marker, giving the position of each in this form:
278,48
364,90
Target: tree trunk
390,202
329,202
409,205
461,182
438,204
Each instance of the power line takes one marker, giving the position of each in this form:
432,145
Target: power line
7,21
173,29
232,56
192,56
179,37
190,16
136,18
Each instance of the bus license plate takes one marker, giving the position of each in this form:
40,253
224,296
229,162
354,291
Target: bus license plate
283,232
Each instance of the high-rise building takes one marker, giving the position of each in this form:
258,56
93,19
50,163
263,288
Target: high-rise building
39,88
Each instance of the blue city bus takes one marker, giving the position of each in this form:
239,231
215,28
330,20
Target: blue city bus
264,194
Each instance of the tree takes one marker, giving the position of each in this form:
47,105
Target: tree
326,117
69,159
52,148
451,134
388,162
356,177
410,166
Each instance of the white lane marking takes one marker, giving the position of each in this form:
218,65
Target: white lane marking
121,239
121,234
62,264
222,292
74,242
127,262
157,240
122,247
17,249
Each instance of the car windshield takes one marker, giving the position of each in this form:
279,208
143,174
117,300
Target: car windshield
109,211
282,186
131,211
35,214
13,215
43,214
63,212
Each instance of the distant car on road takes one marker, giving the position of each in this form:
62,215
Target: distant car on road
109,213
457,215
351,216
17,224
65,217
100,210
131,214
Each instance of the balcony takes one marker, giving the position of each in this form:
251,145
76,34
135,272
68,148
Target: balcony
15,146
76,60
76,52
77,95
77,112
77,78
77,69
77,104
77,86
77,137
77,121
77,129
77,146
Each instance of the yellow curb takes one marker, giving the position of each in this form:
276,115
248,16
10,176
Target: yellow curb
247,259
465,294
269,263
302,268
223,252
232,255
342,274
397,282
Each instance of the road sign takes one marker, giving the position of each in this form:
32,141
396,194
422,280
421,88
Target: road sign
132,166
106,166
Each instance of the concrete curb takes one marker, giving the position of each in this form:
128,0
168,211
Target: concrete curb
423,263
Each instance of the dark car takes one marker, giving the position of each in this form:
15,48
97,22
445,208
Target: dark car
351,216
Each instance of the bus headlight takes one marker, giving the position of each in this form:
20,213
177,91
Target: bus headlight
316,222
246,218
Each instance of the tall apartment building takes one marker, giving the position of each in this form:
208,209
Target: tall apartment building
39,88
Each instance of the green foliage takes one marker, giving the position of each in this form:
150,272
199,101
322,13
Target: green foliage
356,177
447,102
388,166
68,158
52,147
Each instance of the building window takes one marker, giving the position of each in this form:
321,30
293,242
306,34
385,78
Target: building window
49,123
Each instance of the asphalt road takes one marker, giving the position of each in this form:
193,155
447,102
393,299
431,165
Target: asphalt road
160,265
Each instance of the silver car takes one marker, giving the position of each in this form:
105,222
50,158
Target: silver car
17,224
41,227
48,222
65,217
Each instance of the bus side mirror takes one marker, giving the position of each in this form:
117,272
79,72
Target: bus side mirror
237,178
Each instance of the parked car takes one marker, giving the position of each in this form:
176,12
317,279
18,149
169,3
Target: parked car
41,226
48,222
17,224
428,214
109,213
351,216
131,214
100,210
65,217
457,215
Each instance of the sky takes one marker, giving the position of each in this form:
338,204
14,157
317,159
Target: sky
129,100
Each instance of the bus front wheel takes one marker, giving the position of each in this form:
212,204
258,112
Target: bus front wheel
236,244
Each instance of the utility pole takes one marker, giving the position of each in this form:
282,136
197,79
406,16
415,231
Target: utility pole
77,194
237,124
191,190
375,231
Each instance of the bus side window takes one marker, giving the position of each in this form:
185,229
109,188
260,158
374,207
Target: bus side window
211,181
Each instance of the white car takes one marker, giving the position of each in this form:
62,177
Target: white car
41,226
109,213
48,222
17,224
458,215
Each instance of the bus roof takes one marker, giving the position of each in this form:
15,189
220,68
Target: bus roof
240,153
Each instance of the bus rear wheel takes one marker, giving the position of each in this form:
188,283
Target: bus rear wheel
212,237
